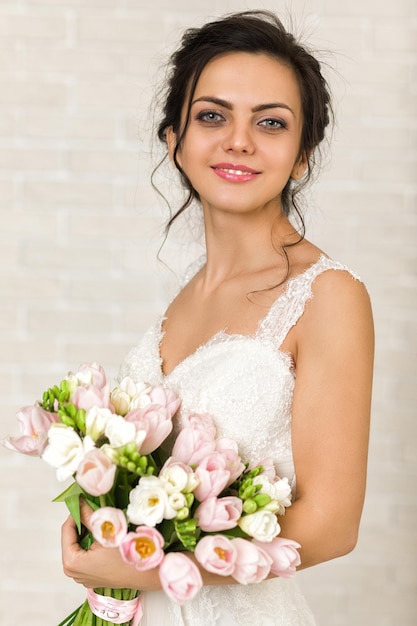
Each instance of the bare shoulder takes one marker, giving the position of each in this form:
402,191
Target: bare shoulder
339,312
338,289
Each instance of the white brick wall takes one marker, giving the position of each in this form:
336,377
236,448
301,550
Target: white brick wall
80,228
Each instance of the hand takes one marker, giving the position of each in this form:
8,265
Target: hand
100,567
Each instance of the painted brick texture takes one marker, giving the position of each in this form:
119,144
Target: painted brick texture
81,227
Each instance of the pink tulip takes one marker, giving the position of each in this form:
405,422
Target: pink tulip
95,473
166,398
216,554
192,445
92,374
200,421
228,448
109,526
252,563
156,421
143,548
215,514
213,476
85,397
284,554
34,425
269,468
180,577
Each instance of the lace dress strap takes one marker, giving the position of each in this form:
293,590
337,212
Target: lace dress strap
289,306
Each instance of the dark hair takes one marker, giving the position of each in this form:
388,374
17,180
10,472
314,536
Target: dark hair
253,32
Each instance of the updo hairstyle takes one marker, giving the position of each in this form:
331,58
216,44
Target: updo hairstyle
257,32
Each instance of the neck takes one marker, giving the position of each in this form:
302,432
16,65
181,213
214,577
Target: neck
238,244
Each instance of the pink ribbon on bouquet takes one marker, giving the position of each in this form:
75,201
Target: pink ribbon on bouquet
113,610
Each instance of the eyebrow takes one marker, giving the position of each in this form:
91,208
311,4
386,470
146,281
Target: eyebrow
260,107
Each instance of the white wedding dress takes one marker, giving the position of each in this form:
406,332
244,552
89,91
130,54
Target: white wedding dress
246,383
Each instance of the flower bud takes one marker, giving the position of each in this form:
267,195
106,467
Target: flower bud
183,513
249,506
262,499
67,420
249,492
80,420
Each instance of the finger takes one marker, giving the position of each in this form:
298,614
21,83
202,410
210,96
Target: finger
69,533
70,546
86,512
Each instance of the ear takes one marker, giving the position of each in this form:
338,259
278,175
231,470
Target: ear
171,138
300,167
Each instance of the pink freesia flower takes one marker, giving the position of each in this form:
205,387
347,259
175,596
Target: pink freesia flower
192,445
252,563
91,374
85,397
95,473
156,421
228,448
284,554
143,548
216,554
34,424
109,526
166,398
213,476
180,577
215,514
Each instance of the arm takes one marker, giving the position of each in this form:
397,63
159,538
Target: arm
334,362
334,354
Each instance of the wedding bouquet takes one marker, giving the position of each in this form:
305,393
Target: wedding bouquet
155,496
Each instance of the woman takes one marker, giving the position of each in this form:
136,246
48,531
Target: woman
267,334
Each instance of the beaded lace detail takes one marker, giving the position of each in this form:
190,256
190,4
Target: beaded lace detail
246,383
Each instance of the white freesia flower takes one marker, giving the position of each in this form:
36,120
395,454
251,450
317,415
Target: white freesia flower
120,432
177,501
96,421
279,491
262,525
149,503
175,478
65,450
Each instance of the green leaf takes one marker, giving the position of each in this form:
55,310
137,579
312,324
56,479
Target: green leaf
71,497
73,490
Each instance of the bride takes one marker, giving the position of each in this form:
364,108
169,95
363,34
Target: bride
267,334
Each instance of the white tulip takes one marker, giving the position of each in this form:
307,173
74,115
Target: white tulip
96,421
120,432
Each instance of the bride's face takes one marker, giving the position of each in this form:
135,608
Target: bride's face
242,142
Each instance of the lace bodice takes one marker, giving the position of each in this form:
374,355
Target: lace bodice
246,383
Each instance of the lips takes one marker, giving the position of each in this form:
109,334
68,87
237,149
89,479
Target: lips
234,172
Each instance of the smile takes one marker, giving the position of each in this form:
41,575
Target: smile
235,173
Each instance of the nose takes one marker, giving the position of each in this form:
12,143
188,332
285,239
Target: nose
238,138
